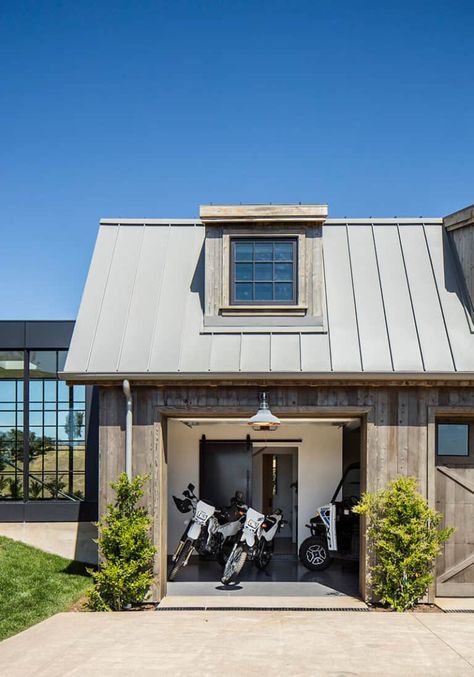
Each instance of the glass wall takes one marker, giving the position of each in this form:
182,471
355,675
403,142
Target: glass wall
55,422
11,425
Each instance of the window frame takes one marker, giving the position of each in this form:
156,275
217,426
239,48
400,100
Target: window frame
263,303
82,464
60,403
451,459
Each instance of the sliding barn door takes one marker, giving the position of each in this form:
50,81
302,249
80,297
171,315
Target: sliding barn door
225,467
455,499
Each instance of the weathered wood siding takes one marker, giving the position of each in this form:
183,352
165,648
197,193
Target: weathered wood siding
397,435
455,499
463,239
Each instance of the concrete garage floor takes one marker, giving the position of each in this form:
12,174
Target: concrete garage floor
285,576
179,643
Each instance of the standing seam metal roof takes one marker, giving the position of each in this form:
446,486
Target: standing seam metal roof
393,297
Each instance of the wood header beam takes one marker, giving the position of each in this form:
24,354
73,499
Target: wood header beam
263,213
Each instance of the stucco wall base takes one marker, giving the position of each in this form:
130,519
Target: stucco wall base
72,540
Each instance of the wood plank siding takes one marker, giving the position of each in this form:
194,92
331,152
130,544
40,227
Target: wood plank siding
397,435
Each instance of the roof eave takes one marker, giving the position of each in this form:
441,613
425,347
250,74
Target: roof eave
88,377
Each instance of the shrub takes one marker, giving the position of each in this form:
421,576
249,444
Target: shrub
35,489
125,548
404,539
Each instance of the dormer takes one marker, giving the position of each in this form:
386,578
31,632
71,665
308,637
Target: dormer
460,226
263,265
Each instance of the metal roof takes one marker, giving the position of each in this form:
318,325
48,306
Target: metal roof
394,307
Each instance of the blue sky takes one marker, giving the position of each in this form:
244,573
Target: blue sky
144,108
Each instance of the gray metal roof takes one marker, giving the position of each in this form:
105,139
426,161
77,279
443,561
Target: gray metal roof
394,306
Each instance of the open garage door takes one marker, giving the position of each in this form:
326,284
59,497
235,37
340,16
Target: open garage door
296,470
455,499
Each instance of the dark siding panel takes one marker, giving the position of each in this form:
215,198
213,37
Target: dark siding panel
12,335
49,335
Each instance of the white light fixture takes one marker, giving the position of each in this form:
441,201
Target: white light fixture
264,419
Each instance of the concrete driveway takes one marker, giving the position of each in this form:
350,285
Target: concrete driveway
242,643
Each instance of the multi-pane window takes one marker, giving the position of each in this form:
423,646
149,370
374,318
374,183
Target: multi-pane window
11,425
263,271
55,447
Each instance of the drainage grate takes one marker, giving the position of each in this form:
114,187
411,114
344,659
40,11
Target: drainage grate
458,611
258,608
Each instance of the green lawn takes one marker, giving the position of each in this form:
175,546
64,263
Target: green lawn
35,585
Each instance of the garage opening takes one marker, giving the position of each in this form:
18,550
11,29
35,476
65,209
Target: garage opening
296,472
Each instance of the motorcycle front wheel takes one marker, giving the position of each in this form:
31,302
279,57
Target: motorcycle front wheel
223,554
182,558
264,556
234,564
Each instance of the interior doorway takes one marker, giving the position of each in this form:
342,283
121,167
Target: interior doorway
275,486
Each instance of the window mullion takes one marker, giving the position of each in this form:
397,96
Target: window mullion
26,424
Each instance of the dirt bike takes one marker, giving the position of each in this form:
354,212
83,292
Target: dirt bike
210,530
255,543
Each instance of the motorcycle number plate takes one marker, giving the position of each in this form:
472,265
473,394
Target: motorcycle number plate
252,524
201,516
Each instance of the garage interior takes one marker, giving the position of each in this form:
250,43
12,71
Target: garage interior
296,469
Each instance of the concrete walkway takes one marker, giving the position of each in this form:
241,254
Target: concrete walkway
279,602
242,643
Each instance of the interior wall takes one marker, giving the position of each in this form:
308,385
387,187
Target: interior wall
319,464
350,447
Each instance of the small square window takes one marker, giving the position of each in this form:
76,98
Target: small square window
453,439
263,271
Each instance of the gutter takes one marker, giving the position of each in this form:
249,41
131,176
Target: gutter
376,377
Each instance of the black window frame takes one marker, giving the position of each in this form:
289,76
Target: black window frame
54,335
452,459
57,407
271,302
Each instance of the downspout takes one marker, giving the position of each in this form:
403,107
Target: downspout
128,428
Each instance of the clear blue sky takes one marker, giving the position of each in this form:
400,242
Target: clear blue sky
144,108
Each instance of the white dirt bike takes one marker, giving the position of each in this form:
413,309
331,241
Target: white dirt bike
210,530
255,543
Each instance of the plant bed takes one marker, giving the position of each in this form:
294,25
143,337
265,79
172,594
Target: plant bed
417,609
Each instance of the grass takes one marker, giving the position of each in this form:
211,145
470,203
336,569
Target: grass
35,585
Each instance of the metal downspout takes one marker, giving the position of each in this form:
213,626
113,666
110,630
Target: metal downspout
128,428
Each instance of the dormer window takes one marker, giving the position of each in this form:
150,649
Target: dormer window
263,271
263,267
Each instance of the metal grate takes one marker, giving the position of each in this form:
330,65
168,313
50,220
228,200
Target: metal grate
257,608
458,611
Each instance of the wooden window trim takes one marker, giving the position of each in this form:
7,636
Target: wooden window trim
449,460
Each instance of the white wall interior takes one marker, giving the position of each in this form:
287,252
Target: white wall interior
319,462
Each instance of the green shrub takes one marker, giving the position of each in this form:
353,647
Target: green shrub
404,539
125,548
